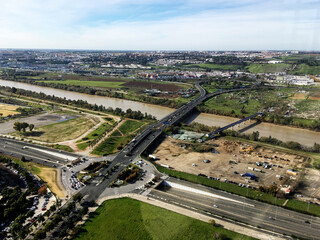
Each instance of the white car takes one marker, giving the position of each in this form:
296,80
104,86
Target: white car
215,206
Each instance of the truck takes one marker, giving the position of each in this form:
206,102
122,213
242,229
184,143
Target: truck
251,175
153,157
165,165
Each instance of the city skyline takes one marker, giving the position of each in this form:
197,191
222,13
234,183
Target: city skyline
161,25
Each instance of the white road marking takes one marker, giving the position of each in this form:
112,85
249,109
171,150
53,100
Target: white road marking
60,155
194,190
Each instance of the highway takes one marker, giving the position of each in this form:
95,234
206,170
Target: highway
246,211
35,153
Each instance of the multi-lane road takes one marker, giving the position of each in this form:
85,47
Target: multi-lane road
35,153
240,209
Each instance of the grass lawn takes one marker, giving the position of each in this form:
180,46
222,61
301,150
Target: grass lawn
61,147
130,126
63,131
131,219
116,133
83,146
88,83
267,68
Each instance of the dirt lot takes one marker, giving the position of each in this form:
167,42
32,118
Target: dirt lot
310,185
232,157
149,85
299,96
315,96
49,175
88,78
6,109
37,120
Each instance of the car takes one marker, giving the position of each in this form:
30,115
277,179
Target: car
271,218
306,221
214,205
43,209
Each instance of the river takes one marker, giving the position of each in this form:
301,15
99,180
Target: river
284,133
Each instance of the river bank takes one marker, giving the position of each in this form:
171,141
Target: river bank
283,133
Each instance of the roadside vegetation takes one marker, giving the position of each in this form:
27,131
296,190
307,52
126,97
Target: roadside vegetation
131,219
93,136
129,175
118,139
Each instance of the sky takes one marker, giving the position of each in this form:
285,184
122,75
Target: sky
161,24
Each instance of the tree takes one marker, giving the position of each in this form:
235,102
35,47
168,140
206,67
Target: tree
31,127
254,136
24,125
42,190
17,126
77,197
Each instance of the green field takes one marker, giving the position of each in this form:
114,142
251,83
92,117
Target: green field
130,126
267,68
61,147
129,219
111,145
116,133
304,69
84,142
230,67
84,83
117,140
224,104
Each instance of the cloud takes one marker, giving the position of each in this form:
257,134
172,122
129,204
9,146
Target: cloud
160,25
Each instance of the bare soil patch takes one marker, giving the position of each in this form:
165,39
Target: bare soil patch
299,96
49,175
233,159
310,185
6,109
315,96
88,78
151,85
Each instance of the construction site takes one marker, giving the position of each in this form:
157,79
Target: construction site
246,165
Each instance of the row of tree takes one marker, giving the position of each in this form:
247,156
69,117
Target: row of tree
129,113
18,126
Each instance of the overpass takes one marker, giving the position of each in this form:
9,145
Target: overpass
212,134
139,144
